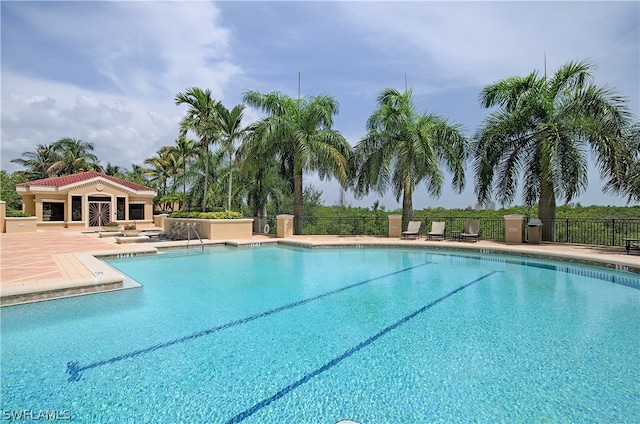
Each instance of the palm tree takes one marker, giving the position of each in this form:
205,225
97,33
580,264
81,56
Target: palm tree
630,185
163,168
200,118
231,130
197,176
114,170
136,175
299,133
173,164
75,155
403,148
38,162
185,149
261,181
541,134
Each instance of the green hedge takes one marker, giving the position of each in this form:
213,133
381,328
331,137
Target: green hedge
207,215
12,213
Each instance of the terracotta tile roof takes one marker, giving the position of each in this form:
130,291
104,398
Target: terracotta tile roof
83,176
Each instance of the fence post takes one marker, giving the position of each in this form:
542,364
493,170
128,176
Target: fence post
613,232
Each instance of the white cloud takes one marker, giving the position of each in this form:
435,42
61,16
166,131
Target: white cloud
121,129
166,45
475,43
148,52
142,48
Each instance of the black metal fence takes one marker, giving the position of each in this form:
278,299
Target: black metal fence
379,226
264,225
343,226
490,228
603,232
593,231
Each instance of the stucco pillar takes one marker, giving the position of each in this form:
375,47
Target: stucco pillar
148,211
3,214
85,210
68,208
395,226
29,204
514,229
38,211
285,226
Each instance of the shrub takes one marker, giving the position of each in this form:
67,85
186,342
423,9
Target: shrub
207,215
12,213
208,209
111,224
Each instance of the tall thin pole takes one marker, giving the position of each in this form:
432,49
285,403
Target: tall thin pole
545,65
406,85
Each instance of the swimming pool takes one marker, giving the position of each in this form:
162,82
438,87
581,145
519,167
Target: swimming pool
278,334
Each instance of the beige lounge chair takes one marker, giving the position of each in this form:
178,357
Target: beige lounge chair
471,230
437,230
413,230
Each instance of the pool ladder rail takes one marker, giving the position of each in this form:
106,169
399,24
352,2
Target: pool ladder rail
182,231
192,226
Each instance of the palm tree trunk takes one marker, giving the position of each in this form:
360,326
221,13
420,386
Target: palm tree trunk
230,177
184,184
206,176
298,205
259,203
547,210
407,204
229,200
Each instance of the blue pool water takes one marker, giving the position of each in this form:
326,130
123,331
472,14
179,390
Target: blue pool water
276,334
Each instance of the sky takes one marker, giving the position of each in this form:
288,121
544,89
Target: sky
107,72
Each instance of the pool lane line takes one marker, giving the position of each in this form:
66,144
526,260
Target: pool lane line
74,369
335,361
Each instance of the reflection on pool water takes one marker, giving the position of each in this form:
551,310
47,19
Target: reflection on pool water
277,334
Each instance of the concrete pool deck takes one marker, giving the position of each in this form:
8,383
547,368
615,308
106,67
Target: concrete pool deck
59,263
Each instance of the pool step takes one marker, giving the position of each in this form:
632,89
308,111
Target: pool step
135,239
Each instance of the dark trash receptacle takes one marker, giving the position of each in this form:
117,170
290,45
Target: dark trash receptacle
534,231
